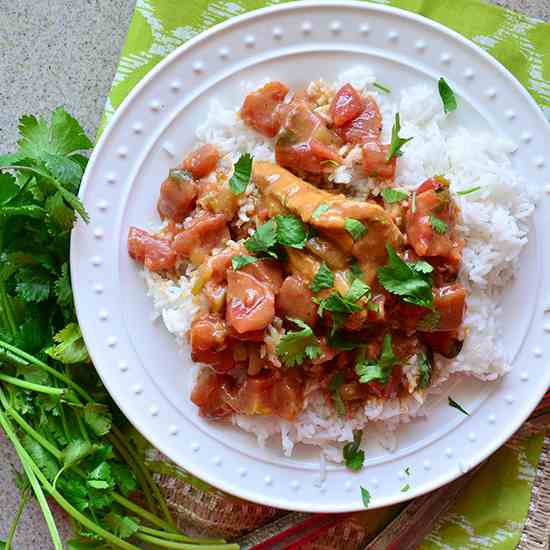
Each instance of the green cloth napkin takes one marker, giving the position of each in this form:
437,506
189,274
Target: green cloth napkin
490,514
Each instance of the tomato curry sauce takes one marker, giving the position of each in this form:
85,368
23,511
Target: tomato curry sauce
318,291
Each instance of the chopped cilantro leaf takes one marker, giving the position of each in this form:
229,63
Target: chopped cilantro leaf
357,290
319,210
368,369
468,191
355,271
345,342
454,404
425,371
405,488
447,96
355,228
398,277
242,170
439,225
420,266
263,240
396,141
381,87
408,470
334,387
391,195
294,347
324,278
291,231
365,497
238,262
354,456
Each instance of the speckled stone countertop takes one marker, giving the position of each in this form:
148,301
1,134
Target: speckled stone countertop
56,52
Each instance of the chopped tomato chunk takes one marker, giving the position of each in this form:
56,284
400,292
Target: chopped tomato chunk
250,303
207,333
178,194
346,105
366,126
211,394
201,161
295,300
445,343
260,108
375,160
431,222
450,303
266,271
200,236
305,142
155,252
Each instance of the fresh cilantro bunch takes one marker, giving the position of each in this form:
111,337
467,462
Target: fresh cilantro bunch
73,444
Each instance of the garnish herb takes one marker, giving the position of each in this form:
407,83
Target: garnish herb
413,203
468,191
238,262
345,342
355,228
411,281
291,231
357,290
297,346
334,387
381,87
391,195
438,224
368,369
72,446
405,488
408,470
365,496
455,405
264,239
447,96
354,456
324,278
242,170
319,210
396,141
425,371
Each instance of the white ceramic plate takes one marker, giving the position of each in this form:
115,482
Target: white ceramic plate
138,360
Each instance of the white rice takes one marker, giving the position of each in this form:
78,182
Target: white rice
494,225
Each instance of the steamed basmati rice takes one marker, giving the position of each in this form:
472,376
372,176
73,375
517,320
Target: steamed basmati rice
494,225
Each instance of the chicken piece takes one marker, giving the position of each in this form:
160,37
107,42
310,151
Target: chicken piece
156,253
328,252
295,301
260,108
250,303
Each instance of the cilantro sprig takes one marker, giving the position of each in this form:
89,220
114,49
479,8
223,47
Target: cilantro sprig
242,171
397,142
297,346
438,224
334,386
324,278
354,456
355,228
457,406
411,281
368,370
392,195
238,262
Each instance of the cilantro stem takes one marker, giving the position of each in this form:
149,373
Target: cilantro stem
182,546
177,537
138,510
13,527
54,372
28,464
5,305
141,468
31,386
